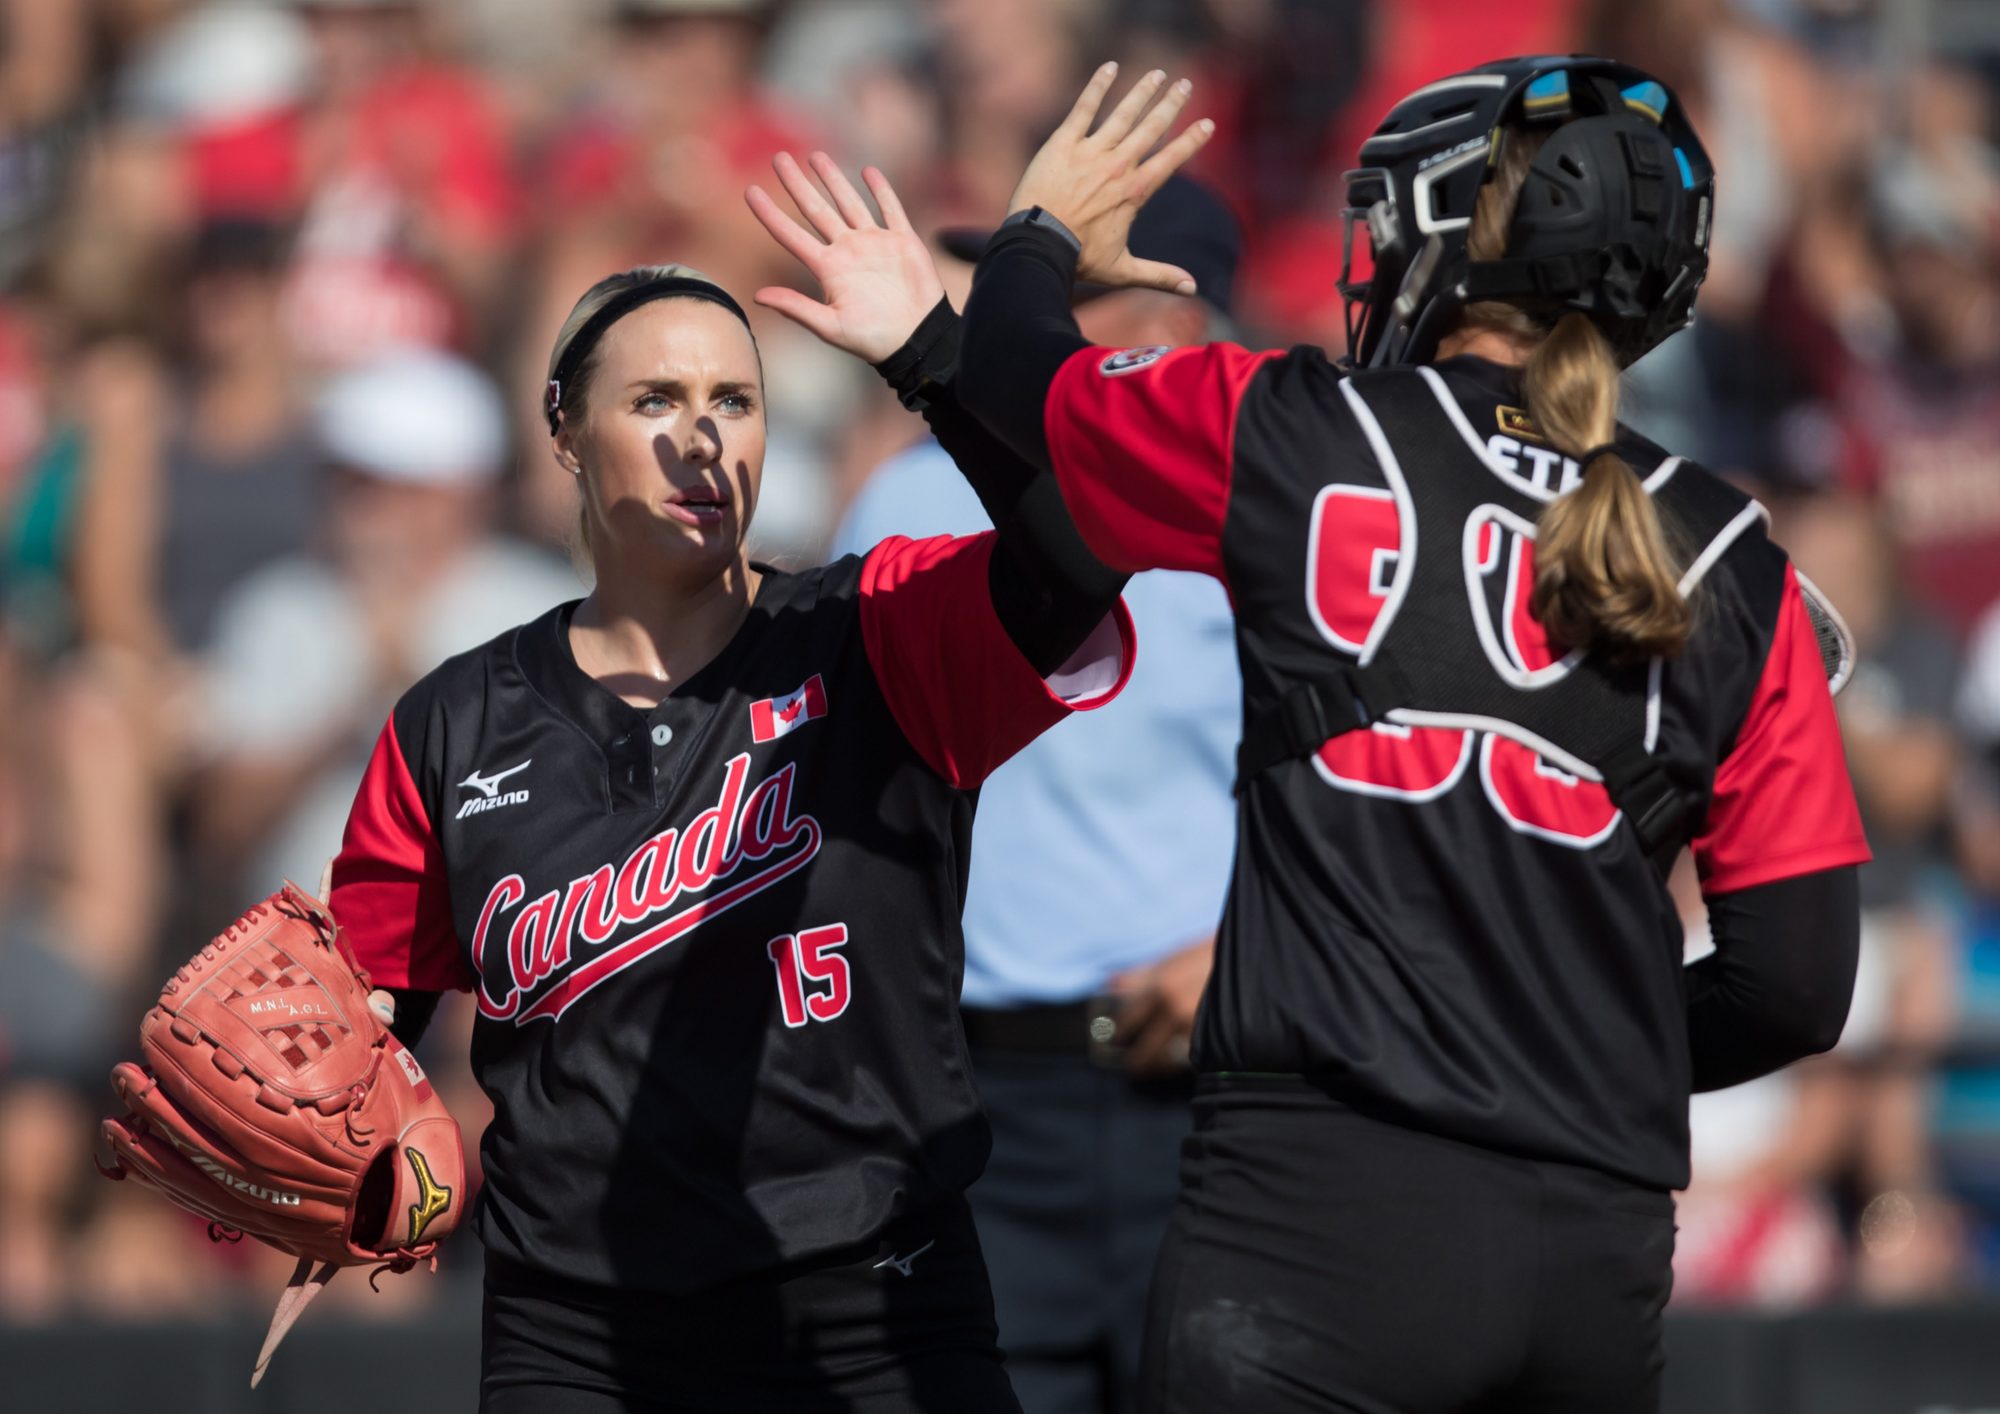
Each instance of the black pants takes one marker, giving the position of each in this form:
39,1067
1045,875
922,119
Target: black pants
903,1328
1323,1261
1071,1211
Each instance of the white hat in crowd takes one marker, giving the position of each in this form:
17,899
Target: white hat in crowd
217,64
415,416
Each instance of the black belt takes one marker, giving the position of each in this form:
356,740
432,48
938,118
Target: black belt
1062,1028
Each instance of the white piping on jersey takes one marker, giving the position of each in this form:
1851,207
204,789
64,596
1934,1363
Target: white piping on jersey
1522,827
1420,191
1482,618
1514,731
1653,673
1415,797
1662,474
1659,476
1327,630
1479,449
1406,521
1705,561
1846,668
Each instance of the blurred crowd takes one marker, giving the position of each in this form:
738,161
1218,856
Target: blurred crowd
277,283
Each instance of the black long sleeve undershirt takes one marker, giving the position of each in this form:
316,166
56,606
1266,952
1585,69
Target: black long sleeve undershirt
414,1011
1018,332
1778,985
1048,590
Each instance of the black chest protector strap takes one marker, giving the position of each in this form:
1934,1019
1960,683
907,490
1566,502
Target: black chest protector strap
1431,667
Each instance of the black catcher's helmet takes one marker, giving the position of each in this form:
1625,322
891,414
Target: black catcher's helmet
1613,220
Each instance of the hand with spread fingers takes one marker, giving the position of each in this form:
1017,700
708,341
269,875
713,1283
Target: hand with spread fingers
878,276
1095,182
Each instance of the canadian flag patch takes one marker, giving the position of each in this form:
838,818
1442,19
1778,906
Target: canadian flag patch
412,1072
775,716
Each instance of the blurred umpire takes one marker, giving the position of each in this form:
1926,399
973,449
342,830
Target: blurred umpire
1502,660
1091,908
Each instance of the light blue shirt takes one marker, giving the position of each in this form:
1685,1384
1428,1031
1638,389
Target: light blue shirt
1107,843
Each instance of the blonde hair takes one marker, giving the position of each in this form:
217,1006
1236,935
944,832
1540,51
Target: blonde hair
1605,578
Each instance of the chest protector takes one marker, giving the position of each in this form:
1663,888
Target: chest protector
1452,645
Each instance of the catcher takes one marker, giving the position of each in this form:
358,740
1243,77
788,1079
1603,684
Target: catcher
274,1102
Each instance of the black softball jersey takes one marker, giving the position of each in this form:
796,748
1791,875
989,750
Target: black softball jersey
714,945
1437,917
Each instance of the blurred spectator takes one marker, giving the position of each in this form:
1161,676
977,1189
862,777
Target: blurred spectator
41,455
193,478
44,62
390,159
310,653
79,881
1008,73
228,484
1923,420
653,168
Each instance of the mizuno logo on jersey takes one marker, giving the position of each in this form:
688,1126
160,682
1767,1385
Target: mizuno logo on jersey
561,945
489,797
775,716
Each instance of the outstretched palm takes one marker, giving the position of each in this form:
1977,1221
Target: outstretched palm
878,277
1095,182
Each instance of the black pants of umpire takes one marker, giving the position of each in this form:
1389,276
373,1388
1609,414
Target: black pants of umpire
1071,1211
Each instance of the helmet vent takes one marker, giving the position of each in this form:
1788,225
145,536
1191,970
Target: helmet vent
1569,164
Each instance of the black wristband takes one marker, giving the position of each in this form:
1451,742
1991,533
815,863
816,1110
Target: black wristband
1050,242
1043,219
927,359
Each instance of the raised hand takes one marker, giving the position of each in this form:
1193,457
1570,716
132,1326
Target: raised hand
1095,182
878,277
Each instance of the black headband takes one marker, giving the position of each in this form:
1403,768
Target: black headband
615,309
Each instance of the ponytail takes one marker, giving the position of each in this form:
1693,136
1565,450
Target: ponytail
1604,576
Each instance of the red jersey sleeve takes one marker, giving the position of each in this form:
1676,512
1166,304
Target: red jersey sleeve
958,687
1141,441
389,888
1783,804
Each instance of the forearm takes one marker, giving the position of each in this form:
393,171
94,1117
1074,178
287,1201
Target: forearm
1048,589
1778,985
1018,332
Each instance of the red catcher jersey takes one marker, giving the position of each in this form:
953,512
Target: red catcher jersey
1439,922
715,946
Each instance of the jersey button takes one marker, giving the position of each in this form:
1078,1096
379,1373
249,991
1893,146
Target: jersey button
662,734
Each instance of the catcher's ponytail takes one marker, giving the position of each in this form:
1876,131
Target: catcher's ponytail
1604,575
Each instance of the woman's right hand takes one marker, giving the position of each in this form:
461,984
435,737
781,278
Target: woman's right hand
878,277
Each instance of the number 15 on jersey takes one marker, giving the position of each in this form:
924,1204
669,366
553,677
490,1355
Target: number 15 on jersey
810,956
